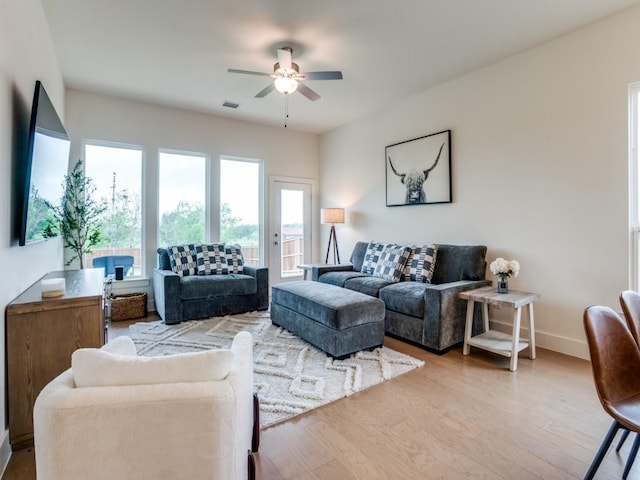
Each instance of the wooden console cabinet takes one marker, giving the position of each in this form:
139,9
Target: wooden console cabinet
42,333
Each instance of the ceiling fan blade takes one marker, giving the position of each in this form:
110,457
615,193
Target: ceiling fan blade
265,91
307,92
248,72
284,57
322,75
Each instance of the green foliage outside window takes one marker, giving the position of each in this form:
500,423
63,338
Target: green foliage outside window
122,222
183,225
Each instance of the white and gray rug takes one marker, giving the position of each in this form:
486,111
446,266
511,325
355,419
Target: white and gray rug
290,375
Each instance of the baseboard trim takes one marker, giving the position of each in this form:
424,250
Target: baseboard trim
5,451
550,341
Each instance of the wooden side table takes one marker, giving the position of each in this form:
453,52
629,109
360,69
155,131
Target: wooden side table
495,341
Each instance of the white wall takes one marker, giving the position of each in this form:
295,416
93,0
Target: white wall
26,55
98,117
539,155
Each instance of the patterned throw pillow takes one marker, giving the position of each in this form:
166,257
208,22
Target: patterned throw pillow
183,259
234,258
211,259
390,265
371,257
421,264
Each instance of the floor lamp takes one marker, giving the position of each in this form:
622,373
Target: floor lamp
332,216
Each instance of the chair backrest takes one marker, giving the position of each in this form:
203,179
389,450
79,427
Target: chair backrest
615,356
109,263
630,303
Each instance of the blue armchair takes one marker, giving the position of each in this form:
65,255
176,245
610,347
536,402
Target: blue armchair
178,299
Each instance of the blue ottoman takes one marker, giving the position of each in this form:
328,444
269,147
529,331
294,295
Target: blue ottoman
336,320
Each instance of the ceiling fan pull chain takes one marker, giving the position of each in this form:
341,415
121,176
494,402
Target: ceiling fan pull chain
286,110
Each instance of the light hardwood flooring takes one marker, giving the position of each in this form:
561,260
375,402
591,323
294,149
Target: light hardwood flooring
456,418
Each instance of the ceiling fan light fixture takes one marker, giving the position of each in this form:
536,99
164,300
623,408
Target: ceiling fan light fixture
286,85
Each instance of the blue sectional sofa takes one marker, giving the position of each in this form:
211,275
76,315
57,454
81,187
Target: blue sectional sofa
430,315
179,298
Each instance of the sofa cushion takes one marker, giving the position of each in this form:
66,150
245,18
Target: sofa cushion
93,367
163,259
183,259
368,285
198,287
235,261
338,278
459,262
211,259
371,257
405,297
391,262
120,346
421,263
357,255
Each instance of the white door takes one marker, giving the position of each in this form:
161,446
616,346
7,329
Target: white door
290,230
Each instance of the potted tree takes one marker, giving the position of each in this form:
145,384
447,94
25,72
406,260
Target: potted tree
78,217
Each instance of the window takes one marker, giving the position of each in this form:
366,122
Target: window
240,194
291,231
116,172
634,183
181,198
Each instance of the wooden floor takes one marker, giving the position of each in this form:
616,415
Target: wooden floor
456,418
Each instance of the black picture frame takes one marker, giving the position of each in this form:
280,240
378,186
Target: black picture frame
418,171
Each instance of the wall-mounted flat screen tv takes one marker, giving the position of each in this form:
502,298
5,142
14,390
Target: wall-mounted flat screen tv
47,164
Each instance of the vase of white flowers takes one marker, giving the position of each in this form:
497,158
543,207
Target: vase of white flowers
504,269
503,283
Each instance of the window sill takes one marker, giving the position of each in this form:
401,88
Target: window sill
129,283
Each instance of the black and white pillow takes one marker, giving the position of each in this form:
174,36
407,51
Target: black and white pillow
211,259
421,264
391,263
371,257
183,259
235,261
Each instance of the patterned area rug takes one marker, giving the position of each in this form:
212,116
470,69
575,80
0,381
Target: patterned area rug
290,375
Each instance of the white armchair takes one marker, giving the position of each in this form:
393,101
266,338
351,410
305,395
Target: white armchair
114,415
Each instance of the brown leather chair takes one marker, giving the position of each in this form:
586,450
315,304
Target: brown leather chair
630,303
615,359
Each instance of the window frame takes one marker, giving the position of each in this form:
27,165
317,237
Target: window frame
261,200
143,190
207,188
634,186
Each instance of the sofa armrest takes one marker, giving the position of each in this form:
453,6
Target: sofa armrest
445,313
166,295
261,274
318,270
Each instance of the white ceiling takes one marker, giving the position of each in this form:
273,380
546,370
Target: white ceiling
177,52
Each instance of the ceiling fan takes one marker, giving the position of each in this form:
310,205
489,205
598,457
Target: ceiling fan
287,77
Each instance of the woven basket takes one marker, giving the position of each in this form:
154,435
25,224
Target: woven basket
128,306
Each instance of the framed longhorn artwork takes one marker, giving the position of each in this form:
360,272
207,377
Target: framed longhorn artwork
418,171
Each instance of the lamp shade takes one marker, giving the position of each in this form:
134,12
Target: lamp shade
332,215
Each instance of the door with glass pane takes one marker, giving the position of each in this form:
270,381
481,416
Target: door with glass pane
290,232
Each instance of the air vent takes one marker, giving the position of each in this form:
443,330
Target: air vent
230,104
